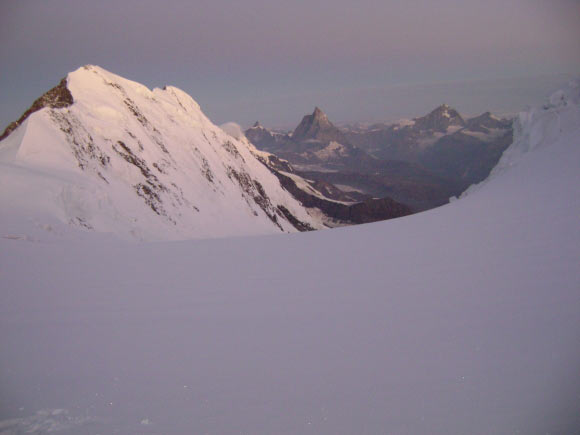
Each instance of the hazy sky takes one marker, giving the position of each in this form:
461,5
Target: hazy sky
275,60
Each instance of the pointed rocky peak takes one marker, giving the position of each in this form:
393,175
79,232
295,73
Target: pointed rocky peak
257,125
440,119
317,127
318,115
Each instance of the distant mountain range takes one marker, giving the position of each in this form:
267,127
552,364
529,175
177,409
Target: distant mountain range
420,162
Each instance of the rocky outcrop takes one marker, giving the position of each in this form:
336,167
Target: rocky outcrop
370,210
56,98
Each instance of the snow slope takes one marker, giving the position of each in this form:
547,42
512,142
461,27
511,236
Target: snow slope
139,164
460,320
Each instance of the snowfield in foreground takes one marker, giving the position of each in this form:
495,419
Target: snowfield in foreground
463,319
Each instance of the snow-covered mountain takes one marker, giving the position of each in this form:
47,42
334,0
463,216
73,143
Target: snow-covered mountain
108,154
460,320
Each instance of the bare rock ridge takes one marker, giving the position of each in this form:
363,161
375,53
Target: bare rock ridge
56,98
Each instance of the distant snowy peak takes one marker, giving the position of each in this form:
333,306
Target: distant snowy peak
440,119
118,157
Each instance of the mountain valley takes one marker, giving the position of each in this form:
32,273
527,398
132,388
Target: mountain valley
421,163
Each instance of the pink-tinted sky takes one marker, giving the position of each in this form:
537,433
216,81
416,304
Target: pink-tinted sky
272,60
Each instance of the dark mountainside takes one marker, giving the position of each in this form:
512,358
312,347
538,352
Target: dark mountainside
340,208
420,163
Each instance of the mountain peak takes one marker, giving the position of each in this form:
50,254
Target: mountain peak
440,119
158,166
487,121
317,127
318,113
443,108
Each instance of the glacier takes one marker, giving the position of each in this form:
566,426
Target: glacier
461,319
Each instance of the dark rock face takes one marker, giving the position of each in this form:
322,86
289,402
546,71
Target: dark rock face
273,162
58,97
371,210
298,224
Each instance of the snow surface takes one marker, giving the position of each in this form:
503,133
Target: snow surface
460,320
141,164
